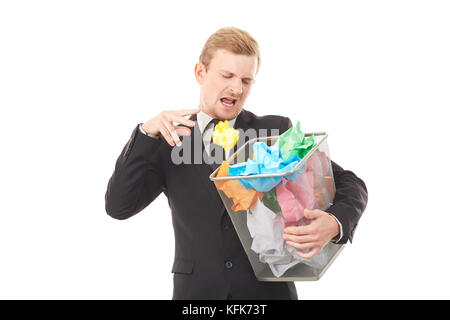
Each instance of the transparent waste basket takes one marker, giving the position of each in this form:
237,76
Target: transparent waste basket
316,166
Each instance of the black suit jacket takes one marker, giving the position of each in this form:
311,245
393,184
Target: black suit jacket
210,262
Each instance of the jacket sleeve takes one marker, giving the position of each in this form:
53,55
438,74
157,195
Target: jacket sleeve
137,178
349,202
350,199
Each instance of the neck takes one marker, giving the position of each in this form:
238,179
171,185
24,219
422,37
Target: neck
208,113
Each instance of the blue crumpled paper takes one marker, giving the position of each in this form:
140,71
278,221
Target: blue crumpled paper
267,160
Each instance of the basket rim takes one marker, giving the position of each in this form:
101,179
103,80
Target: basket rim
299,165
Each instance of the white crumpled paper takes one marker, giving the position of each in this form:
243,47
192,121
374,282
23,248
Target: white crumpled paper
266,228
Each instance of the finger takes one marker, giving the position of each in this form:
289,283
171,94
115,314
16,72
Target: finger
312,214
298,230
183,131
170,127
302,246
182,120
309,254
172,132
166,134
299,239
186,112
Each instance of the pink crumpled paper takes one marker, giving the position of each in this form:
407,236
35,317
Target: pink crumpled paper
296,196
310,190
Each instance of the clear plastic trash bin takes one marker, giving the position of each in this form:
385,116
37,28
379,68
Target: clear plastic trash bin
313,171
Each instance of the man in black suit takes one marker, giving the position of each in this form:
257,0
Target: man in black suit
210,262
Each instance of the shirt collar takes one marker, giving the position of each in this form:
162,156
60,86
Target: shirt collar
203,120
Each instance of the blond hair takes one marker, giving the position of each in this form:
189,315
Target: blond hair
231,39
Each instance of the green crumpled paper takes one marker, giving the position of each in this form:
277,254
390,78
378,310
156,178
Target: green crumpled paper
294,143
270,200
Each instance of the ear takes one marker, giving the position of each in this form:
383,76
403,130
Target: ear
200,71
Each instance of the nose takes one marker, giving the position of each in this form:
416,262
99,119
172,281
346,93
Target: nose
236,87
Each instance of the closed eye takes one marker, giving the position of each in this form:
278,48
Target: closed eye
246,81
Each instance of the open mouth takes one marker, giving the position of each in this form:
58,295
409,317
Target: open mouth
227,102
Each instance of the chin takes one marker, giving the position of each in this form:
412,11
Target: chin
227,114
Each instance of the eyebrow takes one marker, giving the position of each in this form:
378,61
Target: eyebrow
226,71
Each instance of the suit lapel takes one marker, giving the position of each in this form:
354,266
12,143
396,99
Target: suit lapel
242,121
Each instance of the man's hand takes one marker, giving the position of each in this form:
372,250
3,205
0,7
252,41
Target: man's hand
322,228
163,124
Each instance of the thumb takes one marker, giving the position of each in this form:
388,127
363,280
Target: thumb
311,214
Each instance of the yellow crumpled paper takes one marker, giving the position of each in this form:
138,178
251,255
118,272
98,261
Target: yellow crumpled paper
225,136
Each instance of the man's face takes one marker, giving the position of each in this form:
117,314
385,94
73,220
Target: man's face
226,85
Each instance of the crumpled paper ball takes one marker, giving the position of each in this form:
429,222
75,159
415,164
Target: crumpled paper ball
267,160
225,136
294,143
242,198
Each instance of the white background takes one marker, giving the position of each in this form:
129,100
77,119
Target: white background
77,76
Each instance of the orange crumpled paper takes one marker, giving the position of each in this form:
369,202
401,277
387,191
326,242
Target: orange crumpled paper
242,198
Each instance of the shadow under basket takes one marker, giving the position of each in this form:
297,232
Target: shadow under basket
316,165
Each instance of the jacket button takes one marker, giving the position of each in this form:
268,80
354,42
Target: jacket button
225,226
228,264
229,297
